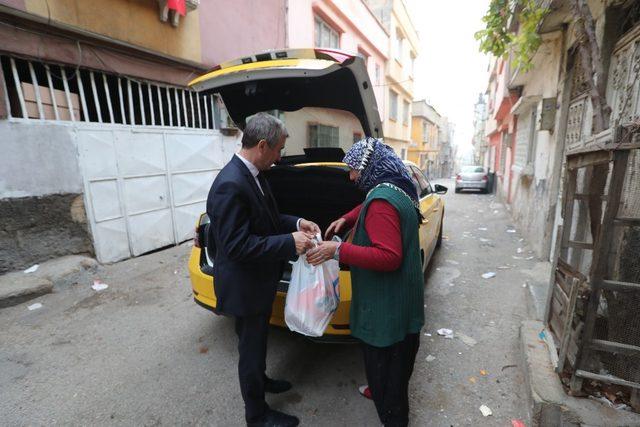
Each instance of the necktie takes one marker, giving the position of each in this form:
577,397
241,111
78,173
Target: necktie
271,203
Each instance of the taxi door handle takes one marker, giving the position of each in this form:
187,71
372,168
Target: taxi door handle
435,209
424,221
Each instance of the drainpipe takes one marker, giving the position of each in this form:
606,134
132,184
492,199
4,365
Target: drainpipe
286,24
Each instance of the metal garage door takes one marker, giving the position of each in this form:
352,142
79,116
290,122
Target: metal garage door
145,187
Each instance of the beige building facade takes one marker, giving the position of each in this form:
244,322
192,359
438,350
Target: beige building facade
399,72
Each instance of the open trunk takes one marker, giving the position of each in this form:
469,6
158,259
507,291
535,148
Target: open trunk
320,194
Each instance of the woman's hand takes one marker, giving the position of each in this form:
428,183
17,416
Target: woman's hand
334,228
321,253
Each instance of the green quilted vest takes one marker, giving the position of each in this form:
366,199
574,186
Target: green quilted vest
386,306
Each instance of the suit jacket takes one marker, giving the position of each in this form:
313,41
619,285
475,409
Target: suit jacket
251,240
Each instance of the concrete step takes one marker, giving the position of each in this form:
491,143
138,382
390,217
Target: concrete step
18,287
548,402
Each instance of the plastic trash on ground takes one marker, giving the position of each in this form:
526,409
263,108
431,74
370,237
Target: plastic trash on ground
34,306
489,275
486,411
32,269
313,296
99,286
447,333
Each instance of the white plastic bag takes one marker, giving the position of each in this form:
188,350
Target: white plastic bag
313,296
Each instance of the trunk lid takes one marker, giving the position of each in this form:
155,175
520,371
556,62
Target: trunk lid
292,79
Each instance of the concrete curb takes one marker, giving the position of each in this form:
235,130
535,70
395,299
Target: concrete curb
548,402
18,287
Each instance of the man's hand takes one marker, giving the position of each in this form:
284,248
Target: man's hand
309,227
321,253
334,228
303,241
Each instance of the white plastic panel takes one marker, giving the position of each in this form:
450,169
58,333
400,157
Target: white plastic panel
191,187
194,152
111,241
146,194
150,231
104,200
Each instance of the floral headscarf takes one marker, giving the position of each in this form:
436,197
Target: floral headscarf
378,163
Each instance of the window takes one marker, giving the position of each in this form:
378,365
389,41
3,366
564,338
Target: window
325,36
393,105
323,136
398,47
405,113
81,94
377,74
423,186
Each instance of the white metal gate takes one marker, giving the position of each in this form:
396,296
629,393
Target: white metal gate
146,186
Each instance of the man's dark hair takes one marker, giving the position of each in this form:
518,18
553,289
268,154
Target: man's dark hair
263,126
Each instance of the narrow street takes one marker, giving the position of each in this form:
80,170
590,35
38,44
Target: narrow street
143,353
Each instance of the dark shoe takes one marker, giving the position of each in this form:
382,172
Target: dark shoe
275,418
276,386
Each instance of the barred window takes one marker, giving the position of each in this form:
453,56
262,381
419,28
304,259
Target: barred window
48,91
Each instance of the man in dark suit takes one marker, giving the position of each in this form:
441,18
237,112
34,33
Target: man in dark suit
252,242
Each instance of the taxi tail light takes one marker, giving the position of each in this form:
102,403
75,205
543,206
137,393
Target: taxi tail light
334,55
196,238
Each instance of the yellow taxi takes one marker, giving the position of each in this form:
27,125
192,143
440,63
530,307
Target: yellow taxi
314,185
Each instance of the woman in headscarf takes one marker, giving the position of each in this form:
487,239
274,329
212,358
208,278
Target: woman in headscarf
386,273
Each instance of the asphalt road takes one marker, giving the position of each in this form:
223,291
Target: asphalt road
142,353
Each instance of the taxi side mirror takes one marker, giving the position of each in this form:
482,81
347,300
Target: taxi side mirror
440,189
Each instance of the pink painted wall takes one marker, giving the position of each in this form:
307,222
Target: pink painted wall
234,28
358,28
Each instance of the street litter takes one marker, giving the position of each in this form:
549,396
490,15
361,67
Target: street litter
464,253
529,258
517,423
34,306
524,285
175,271
482,239
427,334
508,366
99,286
483,372
496,211
516,257
452,284
472,380
482,228
485,410
519,250
32,269
430,358
511,230
450,261
447,333
489,275
504,267
466,339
